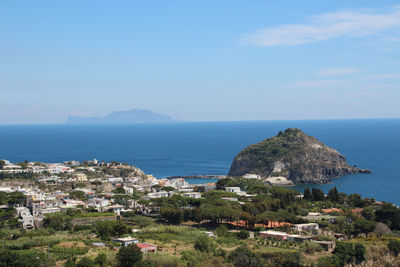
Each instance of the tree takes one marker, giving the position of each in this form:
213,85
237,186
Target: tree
101,259
368,213
57,221
77,194
172,215
355,200
317,194
345,252
364,226
244,257
243,234
106,229
86,262
360,253
129,256
168,188
16,198
394,246
307,194
2,164
204,244
221,230
333,194
119,190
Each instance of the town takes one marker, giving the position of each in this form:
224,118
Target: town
94,213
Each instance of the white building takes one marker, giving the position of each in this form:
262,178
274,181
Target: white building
251,176
192,195
97,203
232,189
157,194
25,217
308,227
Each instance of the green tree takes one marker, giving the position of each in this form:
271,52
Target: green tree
243,234
129,256
204,244
317,194
57,221
172,215
16,198
244,257
360,252
2,164
364,226
119,190
221,230
307,194
345,252
368,213
333,194
85,262
101,259
77,194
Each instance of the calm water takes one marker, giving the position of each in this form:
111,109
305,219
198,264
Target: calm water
208,148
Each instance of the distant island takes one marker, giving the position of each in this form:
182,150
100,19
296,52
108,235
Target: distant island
123,117
294,156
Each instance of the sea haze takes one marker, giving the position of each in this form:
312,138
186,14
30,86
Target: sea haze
167,149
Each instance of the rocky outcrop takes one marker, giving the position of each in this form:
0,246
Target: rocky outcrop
294,155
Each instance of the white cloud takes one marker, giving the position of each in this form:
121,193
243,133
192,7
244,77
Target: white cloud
326,26
318,84
386,76
336,71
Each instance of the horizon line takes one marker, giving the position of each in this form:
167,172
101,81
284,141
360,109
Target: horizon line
202,121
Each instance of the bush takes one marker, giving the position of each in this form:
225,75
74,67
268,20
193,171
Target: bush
159,260
86,262
129,256
244,257
394,246
243,234
204,244
311,247
62,253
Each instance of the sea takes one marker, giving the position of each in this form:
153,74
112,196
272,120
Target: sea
208,148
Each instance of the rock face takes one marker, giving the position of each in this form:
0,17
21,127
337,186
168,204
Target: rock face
294,155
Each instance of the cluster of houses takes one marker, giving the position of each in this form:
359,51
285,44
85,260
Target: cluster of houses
300,228
97,196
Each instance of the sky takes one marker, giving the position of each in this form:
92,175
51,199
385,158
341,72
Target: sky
223,60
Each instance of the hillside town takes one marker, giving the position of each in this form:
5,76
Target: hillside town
106,206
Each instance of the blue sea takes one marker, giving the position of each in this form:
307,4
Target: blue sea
200,148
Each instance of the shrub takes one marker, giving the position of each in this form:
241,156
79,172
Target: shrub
243,234
394,246
311,247
129,256
204,244
244,257
62,253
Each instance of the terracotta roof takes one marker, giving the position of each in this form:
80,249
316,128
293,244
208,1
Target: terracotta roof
144,245
331,210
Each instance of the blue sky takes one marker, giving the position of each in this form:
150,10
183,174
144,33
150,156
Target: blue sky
199,61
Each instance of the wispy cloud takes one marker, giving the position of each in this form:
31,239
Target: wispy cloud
317,84
386,76
352,23
336,71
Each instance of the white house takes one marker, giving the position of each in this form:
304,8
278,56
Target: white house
157,194
97,203
192,195
308,227
232,189
251,176
126,241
